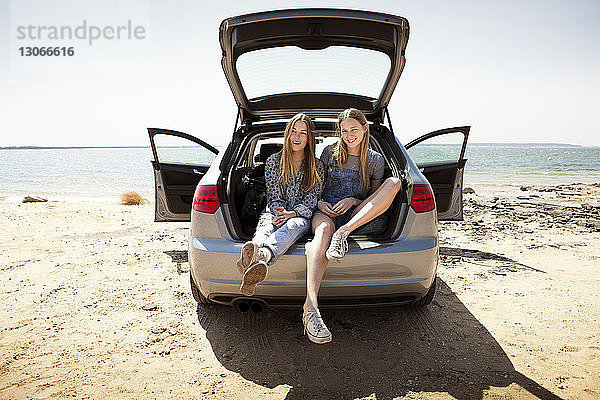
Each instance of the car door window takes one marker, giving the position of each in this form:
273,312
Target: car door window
441,149
178,150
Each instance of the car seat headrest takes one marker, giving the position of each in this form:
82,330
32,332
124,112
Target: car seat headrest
268,149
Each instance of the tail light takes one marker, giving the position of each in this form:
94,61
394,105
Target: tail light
422,198
206,199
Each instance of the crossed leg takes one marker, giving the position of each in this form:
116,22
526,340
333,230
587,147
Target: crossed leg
374,205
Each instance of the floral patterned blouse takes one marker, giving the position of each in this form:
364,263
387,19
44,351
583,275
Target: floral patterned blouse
291,197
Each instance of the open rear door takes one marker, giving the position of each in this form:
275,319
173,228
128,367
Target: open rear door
180,161
440,157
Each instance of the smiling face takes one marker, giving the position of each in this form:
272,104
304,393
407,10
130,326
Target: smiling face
299,136
352,134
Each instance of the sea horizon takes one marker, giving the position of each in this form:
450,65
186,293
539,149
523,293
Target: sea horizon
499,144
74,173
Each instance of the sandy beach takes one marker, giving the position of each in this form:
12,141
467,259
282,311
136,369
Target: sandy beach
96,304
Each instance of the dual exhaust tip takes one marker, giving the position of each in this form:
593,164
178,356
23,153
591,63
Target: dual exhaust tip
255,306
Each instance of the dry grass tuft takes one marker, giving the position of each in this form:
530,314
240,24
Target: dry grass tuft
132,199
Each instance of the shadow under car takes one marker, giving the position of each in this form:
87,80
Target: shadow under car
387,352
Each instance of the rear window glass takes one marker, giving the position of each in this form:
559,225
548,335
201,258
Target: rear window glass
336,69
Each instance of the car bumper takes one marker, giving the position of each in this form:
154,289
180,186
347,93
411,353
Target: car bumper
372,273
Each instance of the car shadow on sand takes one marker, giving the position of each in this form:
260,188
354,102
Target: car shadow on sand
477,255
387,352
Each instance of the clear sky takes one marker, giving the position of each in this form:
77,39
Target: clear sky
517,71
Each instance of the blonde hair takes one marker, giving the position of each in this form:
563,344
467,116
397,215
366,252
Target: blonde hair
286,166
340,150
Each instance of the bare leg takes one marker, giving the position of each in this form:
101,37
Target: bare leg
316,262
374,205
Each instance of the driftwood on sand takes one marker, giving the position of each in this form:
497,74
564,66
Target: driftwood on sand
34,199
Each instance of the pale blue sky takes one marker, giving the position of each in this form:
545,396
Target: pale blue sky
517,71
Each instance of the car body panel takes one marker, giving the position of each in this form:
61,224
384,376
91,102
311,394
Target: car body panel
370,268
175,183
312,29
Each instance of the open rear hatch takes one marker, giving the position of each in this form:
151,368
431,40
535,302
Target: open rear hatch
319,61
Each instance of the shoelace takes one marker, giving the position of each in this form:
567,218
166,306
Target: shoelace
313,316
339,243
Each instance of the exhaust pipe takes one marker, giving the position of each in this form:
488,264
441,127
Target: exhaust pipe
242,305
256,306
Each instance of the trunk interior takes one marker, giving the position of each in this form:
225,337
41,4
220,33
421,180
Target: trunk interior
247,196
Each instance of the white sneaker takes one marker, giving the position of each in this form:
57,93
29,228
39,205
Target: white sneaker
315,328
338,246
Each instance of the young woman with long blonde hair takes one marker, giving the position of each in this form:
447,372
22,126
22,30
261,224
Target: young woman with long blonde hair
294,181
352,196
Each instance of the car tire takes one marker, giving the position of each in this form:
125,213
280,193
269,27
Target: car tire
200,299
428,298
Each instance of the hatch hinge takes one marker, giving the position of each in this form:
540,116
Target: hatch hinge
246,125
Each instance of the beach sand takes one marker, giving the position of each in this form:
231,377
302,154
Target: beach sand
96,304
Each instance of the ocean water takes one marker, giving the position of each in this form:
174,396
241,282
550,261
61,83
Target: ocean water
495,165
75,174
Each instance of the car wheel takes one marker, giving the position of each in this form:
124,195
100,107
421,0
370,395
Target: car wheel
428,298
200,299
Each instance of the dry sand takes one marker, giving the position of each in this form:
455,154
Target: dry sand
96,304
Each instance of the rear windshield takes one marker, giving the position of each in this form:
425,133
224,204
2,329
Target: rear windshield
290,69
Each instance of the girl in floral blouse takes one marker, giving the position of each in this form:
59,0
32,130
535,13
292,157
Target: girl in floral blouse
294,180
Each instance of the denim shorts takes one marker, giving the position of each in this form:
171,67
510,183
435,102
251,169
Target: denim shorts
341,183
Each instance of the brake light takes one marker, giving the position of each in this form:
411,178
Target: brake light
206,199
422,198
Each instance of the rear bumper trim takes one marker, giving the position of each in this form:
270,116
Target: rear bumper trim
325,284
324,302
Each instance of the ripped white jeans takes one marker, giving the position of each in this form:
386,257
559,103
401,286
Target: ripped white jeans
279,240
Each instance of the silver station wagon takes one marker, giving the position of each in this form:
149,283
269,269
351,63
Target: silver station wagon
317,61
